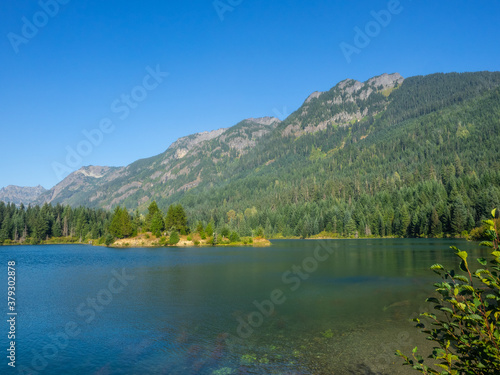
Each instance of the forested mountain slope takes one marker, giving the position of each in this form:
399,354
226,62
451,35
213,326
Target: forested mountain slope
388,156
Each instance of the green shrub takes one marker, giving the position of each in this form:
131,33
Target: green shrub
109,240
225,231
174,238
189,238
234,237
478,234
466,322
259,232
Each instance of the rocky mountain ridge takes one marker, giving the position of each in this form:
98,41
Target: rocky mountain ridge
21,194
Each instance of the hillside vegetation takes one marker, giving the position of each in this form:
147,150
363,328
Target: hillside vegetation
387,157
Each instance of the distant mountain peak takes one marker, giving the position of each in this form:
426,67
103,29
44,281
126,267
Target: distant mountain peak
93,171
21,194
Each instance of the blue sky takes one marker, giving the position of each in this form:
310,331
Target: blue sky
262,59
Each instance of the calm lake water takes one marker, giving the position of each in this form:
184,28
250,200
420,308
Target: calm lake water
210,311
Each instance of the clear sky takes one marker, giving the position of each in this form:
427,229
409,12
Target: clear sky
64,71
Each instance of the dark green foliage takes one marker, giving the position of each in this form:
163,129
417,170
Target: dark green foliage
176,219
234,237
109,240
121,225
152,211
137,223
259,232
157,224
209,230
57,229
225,231
34,224
174,238
465,320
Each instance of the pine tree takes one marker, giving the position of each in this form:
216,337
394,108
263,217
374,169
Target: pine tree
436,226
56,228
349,224
120,226
458,216
405,221
152,210
157,224
209,230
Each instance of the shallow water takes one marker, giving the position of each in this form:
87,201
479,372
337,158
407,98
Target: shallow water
209,310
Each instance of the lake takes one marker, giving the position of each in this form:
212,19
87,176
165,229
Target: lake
298,307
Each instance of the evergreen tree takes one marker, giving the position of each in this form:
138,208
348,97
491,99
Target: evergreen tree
209,230
436,227
157,224
458,216
56,228
152,210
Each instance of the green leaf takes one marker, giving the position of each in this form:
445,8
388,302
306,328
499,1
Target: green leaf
437,267
474,317
446,309
462,255
466,287
481,271
482,261
493,213
462,278
486,243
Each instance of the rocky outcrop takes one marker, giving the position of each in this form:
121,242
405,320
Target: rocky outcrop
346,92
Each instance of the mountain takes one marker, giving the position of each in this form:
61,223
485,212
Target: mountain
183,166
20,194
389,155
196,159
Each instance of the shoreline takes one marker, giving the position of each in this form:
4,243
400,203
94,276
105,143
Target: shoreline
256,242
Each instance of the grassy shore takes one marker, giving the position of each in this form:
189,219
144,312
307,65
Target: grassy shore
149,240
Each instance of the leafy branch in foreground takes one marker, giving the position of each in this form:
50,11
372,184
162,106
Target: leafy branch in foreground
466,325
